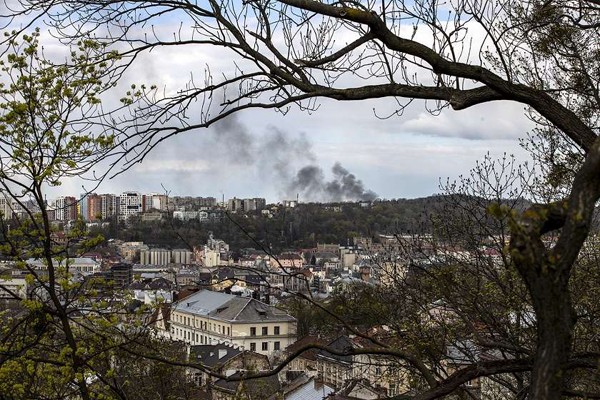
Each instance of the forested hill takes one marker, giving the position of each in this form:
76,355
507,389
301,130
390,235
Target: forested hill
300,227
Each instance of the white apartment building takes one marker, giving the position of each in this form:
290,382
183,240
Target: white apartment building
130,203
211,317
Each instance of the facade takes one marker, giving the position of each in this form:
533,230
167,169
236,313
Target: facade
65,208
382,372
94,207
254,204
130,203
7,207
121,274
225,360
155,201
165,257
13,285
211,317
83,265
110,206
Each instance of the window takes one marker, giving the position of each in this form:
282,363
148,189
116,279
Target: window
276,330
392,389
265,346
265,330
252,346
228,331
276,346
252,331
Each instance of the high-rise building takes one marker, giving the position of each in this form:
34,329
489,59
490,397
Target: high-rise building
130,203
65,208
94,207
110,206
82,206
235,205
155,201
254,204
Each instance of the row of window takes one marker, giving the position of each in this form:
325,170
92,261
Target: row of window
203,325
265,330
265,346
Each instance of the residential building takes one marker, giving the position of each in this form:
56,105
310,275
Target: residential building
155,201
254,204
385,373
225,360
110,205
94,207
12,285
82,206
208,317
65,208
7,207
130,203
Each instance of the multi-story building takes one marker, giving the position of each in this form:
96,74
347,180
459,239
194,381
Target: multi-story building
121,274
94,207
130,203
110,205
235,205
65,208
7,207
254,204
82,206
83,265
155,201
211,317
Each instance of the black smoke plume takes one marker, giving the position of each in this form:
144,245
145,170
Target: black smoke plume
286,161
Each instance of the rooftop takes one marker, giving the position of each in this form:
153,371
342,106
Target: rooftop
231,308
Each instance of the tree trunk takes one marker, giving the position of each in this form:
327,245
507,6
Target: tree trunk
555,322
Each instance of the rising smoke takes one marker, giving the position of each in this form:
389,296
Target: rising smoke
288,162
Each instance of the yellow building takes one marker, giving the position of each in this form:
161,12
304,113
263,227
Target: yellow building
208,317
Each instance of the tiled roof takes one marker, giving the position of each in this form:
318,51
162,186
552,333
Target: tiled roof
228,307
212,355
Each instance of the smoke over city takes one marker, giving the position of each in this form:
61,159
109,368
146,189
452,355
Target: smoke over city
287,162
343,187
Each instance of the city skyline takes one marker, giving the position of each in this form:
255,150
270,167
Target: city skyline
260,152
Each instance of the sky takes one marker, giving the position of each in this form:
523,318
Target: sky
341,147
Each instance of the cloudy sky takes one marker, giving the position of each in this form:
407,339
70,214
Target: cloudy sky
401,157
262,153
